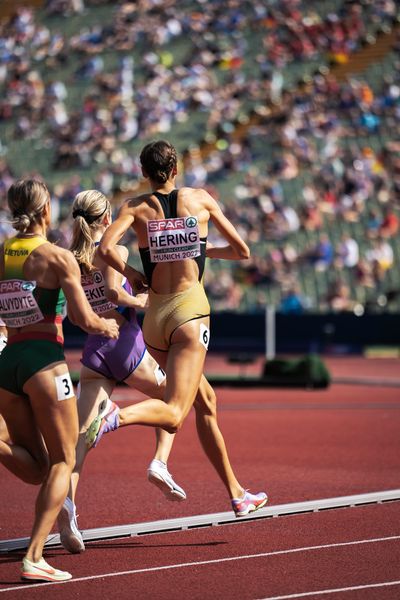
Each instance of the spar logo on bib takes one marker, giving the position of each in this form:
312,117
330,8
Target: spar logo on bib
191,222
97,277
173,239
28,286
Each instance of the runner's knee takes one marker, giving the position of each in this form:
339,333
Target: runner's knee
176,420
61,469
65,459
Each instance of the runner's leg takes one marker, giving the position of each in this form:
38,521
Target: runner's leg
212,439
209,433
21,446
94,388
149,378
183,367
57,420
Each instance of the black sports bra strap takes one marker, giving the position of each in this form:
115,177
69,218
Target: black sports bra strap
168,203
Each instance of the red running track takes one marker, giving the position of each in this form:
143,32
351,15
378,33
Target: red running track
297,444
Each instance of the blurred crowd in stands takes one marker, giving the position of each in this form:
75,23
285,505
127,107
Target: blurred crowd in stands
309,135
344,185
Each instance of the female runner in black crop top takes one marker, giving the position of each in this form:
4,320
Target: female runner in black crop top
171,228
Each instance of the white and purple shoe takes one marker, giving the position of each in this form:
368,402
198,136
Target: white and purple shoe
248,503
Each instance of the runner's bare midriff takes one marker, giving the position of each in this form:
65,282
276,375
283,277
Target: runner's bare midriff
53,329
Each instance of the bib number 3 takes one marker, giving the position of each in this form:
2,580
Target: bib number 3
64,386
204,337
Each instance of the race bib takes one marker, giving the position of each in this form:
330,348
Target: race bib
173,239
204,335
159,374
64,386
18,306
94,287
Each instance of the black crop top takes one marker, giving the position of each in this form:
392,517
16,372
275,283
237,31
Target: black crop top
169,206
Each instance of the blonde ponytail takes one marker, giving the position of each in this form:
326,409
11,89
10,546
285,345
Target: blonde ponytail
87,210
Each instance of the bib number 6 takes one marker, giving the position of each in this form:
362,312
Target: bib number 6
204,337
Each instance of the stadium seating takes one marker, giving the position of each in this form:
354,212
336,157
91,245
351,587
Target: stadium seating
237,59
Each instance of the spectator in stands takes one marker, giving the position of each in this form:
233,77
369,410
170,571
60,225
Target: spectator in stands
380,253
310,217
389,226
292,300
373,223
364,275
259,270
321,254
7,177
347,253
338,297
226,293
64,7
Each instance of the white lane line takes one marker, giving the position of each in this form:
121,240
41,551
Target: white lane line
335,590
205,562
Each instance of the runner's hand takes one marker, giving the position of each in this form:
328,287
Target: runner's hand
111,328
137,280
141,300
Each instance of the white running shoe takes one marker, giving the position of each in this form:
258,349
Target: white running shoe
42,571
70,536
158,474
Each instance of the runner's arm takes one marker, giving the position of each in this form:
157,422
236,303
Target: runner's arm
108,252
115,293
236,249
79,309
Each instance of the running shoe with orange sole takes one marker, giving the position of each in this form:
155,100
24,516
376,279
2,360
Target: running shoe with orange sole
42,571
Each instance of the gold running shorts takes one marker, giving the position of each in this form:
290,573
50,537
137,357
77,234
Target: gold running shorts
167,312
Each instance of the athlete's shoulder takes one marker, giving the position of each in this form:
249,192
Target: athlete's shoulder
53,249
193,193
60,257
189,190
198,199
133,203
